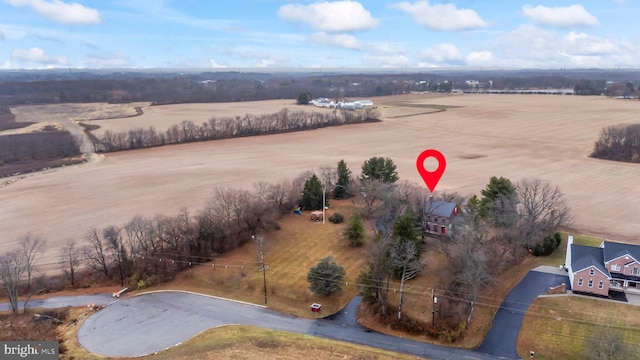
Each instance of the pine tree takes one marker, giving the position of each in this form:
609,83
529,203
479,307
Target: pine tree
381,169
326,278
341,191
355,230
312,194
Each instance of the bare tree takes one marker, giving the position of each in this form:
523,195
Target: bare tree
12,268
542,209
139,232
608,344
95,253
403,256
70,258
31,247
115,243
474,277
374,193
374,279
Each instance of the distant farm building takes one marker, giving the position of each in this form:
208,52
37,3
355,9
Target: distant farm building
347,105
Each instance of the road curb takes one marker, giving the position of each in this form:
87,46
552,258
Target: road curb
200,294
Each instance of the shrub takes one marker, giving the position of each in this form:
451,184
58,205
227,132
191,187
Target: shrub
355,230
336,218
326,277
548,245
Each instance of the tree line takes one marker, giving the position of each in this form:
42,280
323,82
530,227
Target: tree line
231,127
619,143
38,146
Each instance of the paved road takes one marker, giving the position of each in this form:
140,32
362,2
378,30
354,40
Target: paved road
153,322
503,336
63,301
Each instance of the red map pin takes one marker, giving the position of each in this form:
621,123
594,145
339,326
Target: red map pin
431,178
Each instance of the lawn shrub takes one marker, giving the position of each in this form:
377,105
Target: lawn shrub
336,218
548,245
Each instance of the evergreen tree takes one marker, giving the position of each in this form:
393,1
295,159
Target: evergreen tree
355,230
341,191
405,248
326,278
498,201
304,98
312,194
381,169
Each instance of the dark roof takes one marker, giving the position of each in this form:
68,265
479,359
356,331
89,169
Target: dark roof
439,208
583,257
614,250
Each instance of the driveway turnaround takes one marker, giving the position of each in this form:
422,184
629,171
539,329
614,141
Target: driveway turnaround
153,322
156,321
503,336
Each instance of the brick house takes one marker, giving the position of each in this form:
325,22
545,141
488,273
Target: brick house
439,217
597,270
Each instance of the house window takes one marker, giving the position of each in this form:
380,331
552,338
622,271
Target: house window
591,272
435,219
601,285
634,271
590,283
615,267
580,282
443,220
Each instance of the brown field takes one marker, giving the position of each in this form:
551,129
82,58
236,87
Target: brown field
514,136
163,117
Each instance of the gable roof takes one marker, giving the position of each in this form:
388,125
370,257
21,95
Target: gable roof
583,257
439,208
613,250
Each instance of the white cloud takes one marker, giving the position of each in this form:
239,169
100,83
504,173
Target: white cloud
216,65
444,17
1,36
583,44
384,48
480,58
66,13
107,60
387,61
339,40
442,53
533,47
6,65
38,56
263,63
563,16
336,16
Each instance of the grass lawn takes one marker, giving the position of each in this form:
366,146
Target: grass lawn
246,342
584,239
291,251
559,327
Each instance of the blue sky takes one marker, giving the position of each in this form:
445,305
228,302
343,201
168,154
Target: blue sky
219,34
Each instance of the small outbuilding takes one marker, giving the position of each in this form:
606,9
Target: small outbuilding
316,215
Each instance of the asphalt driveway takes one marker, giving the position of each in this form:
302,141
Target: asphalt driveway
503,335
153,322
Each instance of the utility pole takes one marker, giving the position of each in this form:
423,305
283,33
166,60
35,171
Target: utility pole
261,250
433,309
324,192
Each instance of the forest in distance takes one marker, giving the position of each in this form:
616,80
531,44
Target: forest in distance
124,86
